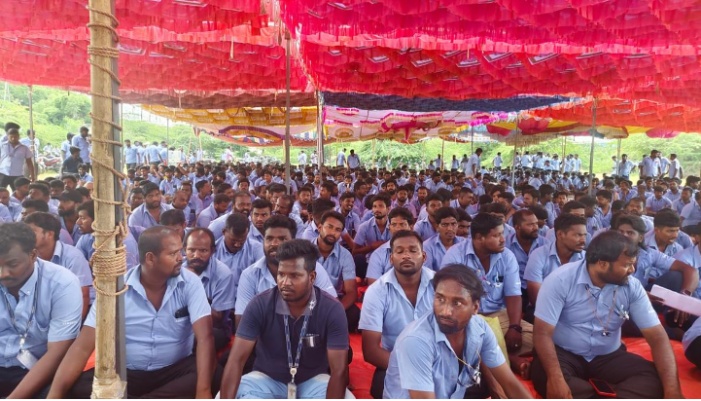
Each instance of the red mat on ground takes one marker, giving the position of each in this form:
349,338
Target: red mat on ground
361,371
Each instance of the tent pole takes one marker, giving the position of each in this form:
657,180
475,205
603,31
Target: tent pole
287,113
320,128
472,140
33,134
513,165
108,261
373,152
442,155
618,156
591,150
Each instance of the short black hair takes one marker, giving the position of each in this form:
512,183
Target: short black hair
572,205
332,214
69,177
41,187
463,275
565,221
281,221
37,204
149,187
604,193
667,218
483,223
237,223
520,215
608,247
45,221
444,213
17,233
402,213
382,198
22,181
172,217
262,204
151,240
634,221
321,206
88,207
299,248
406,234
204,230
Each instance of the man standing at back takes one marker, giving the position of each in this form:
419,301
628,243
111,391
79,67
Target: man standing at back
341,158
81,142
13,157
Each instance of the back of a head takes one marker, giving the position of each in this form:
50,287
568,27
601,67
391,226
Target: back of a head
46,221
444,213
483,223
588,201
12,234
609,246
37,204
321,206
299,248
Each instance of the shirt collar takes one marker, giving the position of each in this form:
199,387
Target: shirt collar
58,250
472,333
134,280
583,274
281,307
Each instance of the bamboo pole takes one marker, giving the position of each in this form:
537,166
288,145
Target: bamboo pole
618,157
320,129
591,150
109,260
287,113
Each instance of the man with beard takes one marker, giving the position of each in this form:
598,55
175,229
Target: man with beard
301,205
523,242
236,249
40,191
402,200
338,263
375,232
426,226
56,188
217,279
283,205
33,290
165,307
435,247
47,230
360,189
420,198
86,216
486,253
345,207
578,329
218,207
464,201
636,207
290,363
380,263
149,213
397,298
260,276
464,223
319,207
425,361
7,214
181,202
569,244
667,236
68,216
242,204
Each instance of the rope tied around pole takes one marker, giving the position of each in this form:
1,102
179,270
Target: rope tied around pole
112,262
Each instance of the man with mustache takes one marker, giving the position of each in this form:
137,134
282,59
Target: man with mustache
166,311
569,244
306,359
217,279
523,243
260,276
242,204
577,331
397,298
440,354
236,250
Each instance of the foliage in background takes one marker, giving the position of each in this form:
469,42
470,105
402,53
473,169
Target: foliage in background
57,112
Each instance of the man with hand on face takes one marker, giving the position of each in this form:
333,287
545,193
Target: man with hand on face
39,314
314,339
260,276
217,279
166,311
569,245
440,354
400,296
579,315
338,263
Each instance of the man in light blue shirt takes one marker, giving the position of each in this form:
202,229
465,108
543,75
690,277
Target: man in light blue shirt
39,305
81,142
14,156
338,263
379,263
341,158
217,279
215,210
425,226
425,363
525,240
400,296
262,275
372,233
436,246
692,343
166,313
569,244
657,202
131,155
691,213
236,249
149,213
667,236
153,153
578,328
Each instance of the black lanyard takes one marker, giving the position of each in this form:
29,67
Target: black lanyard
11,311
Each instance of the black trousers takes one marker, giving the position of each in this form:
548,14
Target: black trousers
630,375
11,377
178,380
361,266
693,353
353,318
377,387
6,180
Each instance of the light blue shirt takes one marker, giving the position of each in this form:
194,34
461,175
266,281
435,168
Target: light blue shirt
168,187
72,259
251,251
368,233
651,264
339,265
57,317
86,241
257,278
604,219
82,144
692,334
207,216
656,205
131,155
387,310
218,282
13,159
5,215
154,155
424,229
379,262
544,260
691,213
569,301
692,257
424,360
679,204
142,218
435,251
671,250
156,338
520,254
217,226
502,279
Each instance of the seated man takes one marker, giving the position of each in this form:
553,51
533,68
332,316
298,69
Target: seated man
446,219
425,361
164,306
692,343
236,249
667,236
39,318
400,296
579,315
318,326
399,219
217,279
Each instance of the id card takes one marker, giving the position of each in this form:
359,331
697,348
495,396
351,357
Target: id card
291,391
27,359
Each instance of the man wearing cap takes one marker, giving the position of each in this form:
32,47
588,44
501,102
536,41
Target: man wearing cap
13,157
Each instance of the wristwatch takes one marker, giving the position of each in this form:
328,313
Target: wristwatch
516,327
